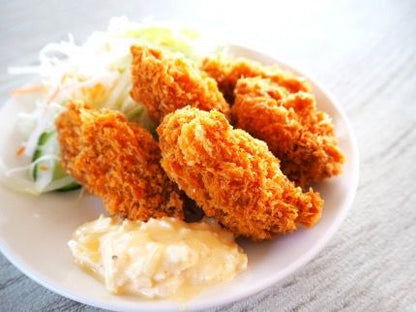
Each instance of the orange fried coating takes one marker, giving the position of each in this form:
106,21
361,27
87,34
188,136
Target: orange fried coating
227,72
117,161
295,131
164,83
232,176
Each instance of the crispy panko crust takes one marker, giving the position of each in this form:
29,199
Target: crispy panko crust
295,131
164,83
118,161
232,176
227,72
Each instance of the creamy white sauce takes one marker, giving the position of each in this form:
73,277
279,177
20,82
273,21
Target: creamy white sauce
161,258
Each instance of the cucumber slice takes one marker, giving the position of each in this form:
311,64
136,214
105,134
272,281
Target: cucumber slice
43,139
46,140
59,173
70,187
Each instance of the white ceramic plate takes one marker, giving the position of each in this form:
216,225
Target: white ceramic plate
34,230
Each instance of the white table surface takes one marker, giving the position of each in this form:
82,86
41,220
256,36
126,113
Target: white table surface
365,53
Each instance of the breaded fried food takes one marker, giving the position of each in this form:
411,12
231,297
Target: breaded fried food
232,176
227,72
301,136
164,82
118,161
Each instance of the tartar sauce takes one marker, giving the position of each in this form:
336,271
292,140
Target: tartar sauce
160,258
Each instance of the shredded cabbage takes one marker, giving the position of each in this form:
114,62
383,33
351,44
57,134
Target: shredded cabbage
97,72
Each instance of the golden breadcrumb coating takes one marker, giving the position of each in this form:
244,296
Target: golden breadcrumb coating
295,131
164,83
117,161
232,176
227,72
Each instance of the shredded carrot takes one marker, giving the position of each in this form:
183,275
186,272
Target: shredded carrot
52,96
29,89
20,150
43,168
